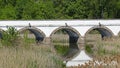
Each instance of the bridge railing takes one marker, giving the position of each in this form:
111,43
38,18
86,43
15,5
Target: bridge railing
61,25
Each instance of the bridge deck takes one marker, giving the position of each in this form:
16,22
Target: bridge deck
60,22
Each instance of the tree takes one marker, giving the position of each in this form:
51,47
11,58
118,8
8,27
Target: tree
59,9
8,12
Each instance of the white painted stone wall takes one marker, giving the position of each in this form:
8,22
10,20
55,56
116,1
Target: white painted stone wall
48,26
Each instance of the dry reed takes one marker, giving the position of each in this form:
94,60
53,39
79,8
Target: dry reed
32,57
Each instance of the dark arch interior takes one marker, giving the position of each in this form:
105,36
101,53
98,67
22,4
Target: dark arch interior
38,36
0,35
1,32
104,32
73,37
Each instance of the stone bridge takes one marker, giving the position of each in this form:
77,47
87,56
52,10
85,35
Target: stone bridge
76,29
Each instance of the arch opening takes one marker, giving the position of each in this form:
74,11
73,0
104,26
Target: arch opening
35,33
65,37
117,38
97,40
38,35
1,33
104,31
119,34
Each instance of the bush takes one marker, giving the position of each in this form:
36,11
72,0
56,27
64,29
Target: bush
9,37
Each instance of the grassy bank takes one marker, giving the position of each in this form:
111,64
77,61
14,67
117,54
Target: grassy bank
23,52
30,57
98,47
105,53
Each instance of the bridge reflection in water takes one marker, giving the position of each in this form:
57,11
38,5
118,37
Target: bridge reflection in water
68,39
76,31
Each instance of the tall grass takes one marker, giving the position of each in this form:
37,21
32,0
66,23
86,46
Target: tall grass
34,57
102,47
18,56
105,52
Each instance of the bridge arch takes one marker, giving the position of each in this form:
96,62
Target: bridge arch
1,31
73,37
39,35
118,35
94,40
70,31
103,30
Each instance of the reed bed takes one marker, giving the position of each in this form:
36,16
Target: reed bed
30,57
102,62
108,46
105,52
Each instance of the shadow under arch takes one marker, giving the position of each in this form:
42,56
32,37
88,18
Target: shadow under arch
39,35
1,35
104,31
73,35
118,34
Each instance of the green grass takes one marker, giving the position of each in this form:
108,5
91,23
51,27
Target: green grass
88,49
102,47
61,49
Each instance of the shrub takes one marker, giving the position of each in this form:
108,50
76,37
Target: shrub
10,37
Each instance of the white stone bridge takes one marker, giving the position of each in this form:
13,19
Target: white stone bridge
76,29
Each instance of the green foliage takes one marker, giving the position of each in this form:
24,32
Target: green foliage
101,51
88,48
8,12
28,40
10,37
59,9
61,49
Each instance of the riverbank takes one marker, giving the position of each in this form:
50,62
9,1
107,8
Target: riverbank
32,56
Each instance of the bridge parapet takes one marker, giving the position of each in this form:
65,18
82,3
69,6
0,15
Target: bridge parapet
81,27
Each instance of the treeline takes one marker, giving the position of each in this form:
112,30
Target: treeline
59,9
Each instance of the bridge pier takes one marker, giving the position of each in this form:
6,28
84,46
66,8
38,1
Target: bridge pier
47,41
82,57
81,43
